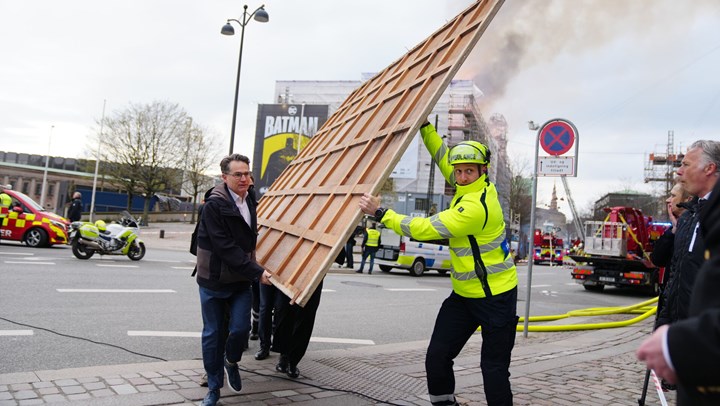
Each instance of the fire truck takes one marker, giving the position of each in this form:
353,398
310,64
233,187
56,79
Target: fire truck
547,247
617,252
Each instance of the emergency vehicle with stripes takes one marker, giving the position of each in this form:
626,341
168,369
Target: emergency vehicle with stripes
402,252
27,221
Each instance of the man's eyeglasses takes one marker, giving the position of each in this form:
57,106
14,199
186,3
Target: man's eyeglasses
238,175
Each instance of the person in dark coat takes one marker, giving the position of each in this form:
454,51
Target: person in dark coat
697,178
293,331
75,210
687,352
349,246
225,270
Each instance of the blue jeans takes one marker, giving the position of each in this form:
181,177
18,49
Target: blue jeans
213,305
368,252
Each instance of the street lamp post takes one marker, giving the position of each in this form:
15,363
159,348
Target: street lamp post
43,192
260,15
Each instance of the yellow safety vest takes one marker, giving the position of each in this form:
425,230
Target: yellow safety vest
474,225
5,202
373,239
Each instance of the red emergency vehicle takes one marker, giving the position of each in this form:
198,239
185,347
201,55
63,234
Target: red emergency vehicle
27,221
617,252
547,247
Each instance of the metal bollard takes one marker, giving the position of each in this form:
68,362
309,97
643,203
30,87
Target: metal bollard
162,233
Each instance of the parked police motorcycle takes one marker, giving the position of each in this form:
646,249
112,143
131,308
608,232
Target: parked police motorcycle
107,239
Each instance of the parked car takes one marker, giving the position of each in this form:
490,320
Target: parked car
27,221
402,252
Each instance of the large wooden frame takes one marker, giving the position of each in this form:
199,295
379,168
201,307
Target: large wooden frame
309,212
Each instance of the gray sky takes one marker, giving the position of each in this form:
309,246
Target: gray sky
624,72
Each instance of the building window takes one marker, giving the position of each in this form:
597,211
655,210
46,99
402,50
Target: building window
421,204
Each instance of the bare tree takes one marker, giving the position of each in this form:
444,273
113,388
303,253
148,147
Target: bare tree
519,197
143,146
202,152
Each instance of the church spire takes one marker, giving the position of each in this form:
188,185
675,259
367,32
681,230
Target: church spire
553,200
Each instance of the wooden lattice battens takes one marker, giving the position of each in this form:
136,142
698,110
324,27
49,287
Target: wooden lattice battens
312,208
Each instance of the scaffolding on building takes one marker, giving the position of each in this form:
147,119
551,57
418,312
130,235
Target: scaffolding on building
465,116
660,167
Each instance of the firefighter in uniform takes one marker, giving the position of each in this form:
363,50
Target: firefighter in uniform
5,202
484,277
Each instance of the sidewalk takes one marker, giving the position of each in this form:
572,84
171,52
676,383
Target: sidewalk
561,368
573,368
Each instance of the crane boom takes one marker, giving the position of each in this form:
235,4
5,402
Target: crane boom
576,220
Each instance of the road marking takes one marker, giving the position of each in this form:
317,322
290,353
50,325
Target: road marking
16,253
164,334
29,262
165,261
116,266
341,340
328,290
540,286
410,290
16,332
116,291
183,267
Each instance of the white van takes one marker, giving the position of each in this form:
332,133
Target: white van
398,251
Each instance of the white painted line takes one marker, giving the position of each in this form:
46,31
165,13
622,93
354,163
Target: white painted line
29,263
166,261
116,266
164,334
183,267
410,290
16,253
540,286
329,290
16,332
116,291
341,341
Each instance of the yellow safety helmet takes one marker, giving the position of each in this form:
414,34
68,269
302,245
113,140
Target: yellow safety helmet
101,225
469,152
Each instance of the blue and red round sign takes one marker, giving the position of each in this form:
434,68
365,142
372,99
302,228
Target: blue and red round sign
557,136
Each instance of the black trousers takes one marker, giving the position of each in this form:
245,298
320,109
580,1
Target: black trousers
255,313
295,325
457,320
269,296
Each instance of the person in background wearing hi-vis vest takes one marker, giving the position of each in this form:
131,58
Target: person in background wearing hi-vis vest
5,202
370,244
484,277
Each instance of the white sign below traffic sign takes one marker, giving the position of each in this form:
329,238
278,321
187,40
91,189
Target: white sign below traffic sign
556,166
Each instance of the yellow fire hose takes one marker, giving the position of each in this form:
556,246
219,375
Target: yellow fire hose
644,309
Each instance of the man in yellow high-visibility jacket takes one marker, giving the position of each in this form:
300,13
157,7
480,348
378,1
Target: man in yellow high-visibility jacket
5,202
484,277
370,245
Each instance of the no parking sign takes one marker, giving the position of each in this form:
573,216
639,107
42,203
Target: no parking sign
557,137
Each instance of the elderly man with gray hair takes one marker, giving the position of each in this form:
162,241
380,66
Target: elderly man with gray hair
663,352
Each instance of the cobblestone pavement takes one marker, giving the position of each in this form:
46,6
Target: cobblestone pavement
596,367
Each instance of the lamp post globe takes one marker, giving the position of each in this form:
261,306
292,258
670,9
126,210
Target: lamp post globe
259,15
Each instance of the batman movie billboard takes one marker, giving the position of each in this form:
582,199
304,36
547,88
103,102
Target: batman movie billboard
282,131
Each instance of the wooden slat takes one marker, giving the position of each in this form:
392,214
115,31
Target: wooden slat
310,211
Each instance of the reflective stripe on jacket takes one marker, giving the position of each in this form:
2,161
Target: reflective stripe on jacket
373,237
474,225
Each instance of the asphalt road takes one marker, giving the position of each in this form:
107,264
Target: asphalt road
61,312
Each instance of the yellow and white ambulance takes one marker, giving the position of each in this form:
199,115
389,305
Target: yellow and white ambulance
402,252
